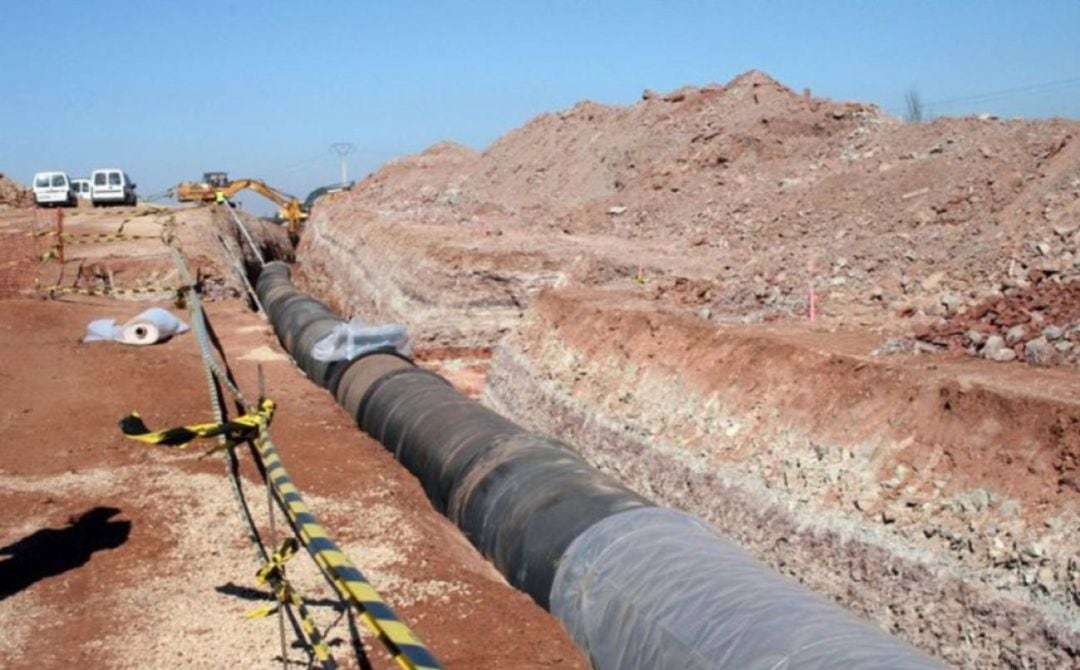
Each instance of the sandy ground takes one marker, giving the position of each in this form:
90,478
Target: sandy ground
121,555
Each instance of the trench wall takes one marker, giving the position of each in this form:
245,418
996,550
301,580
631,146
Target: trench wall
942,510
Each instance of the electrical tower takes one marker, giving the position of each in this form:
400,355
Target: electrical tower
343,149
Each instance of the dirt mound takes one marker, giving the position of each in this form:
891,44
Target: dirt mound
750,193
14,195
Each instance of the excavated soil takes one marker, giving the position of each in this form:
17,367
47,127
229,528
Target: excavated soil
940,500
120,555
645,277
13,194
732,201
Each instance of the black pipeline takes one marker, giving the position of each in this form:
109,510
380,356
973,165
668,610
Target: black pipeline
637,586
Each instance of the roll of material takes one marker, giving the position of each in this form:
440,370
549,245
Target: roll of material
150,327
141,333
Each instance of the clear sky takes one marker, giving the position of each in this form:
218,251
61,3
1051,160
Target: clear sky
168,90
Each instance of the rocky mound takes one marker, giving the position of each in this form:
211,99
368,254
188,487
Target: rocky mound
14,195
734,200
1038,324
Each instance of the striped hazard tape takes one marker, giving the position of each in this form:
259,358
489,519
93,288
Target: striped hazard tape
376,613
75,290
94,238
101,238
241,428
407,649
273,573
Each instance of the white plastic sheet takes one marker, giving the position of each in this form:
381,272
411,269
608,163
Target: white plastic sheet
355,338
150,327
656,588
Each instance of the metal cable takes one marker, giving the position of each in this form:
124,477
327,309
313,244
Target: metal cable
243,229
215,379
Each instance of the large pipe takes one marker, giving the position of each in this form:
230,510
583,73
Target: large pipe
637,586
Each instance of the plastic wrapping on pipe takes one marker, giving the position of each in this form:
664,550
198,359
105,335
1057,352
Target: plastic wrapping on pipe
328,342
657,588
519,497
526,499
355,338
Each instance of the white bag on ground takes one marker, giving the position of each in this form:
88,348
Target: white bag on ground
350,339
150,327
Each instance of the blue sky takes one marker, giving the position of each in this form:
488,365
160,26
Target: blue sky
168,90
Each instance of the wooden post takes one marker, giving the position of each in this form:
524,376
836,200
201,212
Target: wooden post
60,235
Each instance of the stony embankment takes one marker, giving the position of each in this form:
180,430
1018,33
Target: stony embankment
941,503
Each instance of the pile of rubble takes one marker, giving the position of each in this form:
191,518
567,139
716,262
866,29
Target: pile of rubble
1038,323
13,195
733,200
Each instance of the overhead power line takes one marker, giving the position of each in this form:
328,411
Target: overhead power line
298,164
1045,87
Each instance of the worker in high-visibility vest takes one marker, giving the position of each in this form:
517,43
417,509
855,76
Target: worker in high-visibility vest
219,197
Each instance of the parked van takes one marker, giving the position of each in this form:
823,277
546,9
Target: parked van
53,188
110,186
81,188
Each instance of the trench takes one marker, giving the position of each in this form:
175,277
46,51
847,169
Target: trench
637,585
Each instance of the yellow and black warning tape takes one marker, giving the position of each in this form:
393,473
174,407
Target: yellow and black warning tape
273,574
240,429
407,649
94,238
109,291
375,612
102,238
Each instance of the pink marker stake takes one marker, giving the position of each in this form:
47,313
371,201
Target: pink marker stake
811,302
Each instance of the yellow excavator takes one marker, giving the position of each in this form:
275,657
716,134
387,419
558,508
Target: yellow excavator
289,208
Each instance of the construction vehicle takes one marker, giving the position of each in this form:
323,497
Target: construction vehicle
289,208
322,191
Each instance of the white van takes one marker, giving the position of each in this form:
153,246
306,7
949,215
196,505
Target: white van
53,188
81,188
110,186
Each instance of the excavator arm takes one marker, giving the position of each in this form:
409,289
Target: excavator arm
289,208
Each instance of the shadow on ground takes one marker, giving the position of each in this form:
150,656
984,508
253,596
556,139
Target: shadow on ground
53,551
